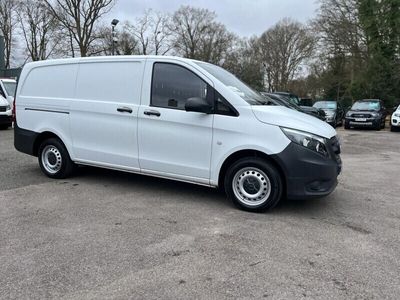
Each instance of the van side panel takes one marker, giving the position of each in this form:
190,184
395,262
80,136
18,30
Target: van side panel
101,134
53,81
44,96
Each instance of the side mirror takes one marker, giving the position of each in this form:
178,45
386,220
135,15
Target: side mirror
198,104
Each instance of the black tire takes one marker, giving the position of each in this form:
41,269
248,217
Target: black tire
383,124
63,165
259,174
4,126
378,127
346,126
393,128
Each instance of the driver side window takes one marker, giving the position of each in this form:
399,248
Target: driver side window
173,85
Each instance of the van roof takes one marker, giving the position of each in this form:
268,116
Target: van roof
105,58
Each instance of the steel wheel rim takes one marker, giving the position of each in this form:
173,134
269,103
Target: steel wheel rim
251,186
51,159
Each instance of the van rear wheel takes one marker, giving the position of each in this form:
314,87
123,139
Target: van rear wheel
54,159
253,184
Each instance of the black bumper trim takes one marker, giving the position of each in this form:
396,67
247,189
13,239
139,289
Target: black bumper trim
24,140
308,174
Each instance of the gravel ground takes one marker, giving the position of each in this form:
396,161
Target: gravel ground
105,234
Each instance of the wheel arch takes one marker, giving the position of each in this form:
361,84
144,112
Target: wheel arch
249,153
44,136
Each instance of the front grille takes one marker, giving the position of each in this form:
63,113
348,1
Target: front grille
3,108
361,115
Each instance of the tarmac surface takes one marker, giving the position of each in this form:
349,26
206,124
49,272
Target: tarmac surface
107,234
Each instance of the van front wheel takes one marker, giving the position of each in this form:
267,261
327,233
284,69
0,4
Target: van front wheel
253,184
54,159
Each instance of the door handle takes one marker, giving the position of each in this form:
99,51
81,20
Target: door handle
152,113
124,109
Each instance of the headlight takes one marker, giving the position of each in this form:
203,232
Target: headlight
330,113
348,114
330,116
8,107
307,140
397,115
375,115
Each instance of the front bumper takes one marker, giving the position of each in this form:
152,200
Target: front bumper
308,174
363,122
5,119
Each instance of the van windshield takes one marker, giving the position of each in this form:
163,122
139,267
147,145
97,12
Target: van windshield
231,81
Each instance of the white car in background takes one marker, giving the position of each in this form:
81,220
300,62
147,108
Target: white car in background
395,120
7,89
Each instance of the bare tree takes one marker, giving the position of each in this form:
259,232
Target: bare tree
161,34
244,61
8,21
38,29
337,25
283,48
188,25
216,44
127,43
79,17
197,34
151,32
342,45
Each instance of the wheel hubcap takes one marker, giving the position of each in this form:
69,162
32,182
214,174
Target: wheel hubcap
51,159
251,186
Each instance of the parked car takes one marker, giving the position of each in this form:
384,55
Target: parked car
334,113
306,102
282,101
395,120
7,89
173,118
5,114
319,113
368,113
285,101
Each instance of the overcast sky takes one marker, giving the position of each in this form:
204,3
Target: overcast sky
243,17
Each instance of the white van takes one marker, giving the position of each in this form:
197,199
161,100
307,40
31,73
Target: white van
173,118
